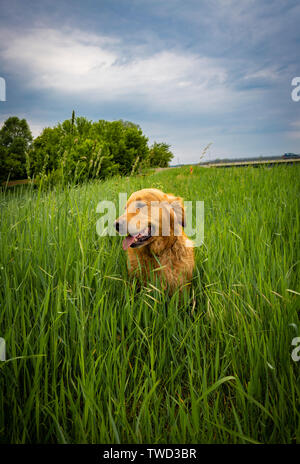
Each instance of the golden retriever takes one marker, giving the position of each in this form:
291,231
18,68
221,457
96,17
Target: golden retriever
155,240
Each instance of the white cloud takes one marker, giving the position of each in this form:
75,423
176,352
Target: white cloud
98,68
89,68
53,55
268,74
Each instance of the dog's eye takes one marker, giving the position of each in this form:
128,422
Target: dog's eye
140,204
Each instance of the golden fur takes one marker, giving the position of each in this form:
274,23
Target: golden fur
172,255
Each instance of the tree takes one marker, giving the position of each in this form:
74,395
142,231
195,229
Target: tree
160,155
77,150
74,151
125,141
15,140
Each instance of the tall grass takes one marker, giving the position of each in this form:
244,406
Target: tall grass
92,358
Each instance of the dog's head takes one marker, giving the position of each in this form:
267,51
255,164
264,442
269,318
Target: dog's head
150,214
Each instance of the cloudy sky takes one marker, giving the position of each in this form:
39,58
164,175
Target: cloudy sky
189,72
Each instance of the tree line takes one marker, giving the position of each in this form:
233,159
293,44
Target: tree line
77,150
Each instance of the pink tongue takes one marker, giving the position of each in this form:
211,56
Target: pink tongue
127,242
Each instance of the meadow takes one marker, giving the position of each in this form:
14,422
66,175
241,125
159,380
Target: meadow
93,358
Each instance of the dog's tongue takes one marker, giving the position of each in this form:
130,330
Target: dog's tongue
127,242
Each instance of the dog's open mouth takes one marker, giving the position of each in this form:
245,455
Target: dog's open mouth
137,240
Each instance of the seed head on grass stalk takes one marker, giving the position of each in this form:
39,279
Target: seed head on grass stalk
134,166
27,164
63,166
99,160
205,150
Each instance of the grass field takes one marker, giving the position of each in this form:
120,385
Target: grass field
92,359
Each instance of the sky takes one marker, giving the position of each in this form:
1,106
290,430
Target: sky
189,72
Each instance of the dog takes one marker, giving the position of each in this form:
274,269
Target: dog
153,223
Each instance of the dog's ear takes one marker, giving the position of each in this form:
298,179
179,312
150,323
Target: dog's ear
178,207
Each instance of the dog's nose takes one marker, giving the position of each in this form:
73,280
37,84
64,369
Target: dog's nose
117,225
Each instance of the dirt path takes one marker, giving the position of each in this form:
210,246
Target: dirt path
161,169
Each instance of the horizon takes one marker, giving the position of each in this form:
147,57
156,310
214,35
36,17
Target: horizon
240,158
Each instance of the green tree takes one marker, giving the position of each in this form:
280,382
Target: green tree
15,140
71,151
78,149
125,141
160,155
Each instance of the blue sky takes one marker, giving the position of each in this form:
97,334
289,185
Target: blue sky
188,72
